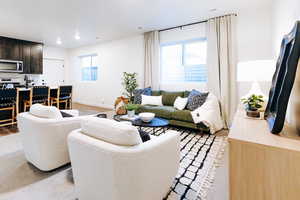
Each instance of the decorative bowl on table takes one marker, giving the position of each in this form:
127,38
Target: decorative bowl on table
146,116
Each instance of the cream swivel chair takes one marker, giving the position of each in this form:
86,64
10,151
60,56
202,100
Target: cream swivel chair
109,161
44,135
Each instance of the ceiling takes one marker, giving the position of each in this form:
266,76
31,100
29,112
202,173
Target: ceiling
103,20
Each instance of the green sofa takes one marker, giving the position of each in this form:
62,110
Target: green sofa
176,117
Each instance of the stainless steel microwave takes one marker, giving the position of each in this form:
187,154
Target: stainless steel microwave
11,66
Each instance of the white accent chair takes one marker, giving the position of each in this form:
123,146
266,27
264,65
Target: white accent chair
44,135
104,169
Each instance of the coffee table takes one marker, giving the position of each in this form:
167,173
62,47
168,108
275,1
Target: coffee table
156,122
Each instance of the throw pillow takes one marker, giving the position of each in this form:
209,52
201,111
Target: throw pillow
152,100
42,111
111,131
138,92
180,103
196,99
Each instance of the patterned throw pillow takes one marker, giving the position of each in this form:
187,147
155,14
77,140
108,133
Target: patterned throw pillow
138,94
196,99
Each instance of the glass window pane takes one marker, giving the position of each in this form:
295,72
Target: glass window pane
171,61
172,55
94,60
86,61
190,67
195,53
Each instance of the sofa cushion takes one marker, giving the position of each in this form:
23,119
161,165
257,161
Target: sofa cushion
160,111
111,131
49,112
138,94
186,93
156,93
182,115
168,98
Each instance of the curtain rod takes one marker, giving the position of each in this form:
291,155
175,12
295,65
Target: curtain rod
190,24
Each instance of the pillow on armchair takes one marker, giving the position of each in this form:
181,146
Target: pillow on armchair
49,112
111,131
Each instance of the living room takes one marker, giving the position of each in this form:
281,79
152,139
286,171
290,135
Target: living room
149,100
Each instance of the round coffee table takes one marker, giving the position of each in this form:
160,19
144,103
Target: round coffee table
156,122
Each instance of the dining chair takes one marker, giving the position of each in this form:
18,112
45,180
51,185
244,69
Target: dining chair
8,97
63,95
38,94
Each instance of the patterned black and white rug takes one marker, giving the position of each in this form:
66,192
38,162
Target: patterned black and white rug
200,155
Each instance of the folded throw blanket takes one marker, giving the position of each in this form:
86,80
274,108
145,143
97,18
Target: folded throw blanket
209,114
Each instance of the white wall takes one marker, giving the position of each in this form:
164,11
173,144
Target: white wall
254,41
51,55
115,57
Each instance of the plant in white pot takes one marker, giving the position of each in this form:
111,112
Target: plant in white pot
131,109
252,105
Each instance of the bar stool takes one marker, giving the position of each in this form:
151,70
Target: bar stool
63,95
38,94
8,99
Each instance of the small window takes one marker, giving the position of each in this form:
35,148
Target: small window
184,61
89,68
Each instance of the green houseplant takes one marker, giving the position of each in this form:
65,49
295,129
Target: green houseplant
130,84
252,105
131,109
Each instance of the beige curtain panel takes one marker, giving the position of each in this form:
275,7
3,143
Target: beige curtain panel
151,63
221,63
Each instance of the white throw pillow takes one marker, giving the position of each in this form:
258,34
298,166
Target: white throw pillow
180,103
152,100
111,131
49,112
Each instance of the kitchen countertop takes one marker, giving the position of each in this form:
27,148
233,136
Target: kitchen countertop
26,89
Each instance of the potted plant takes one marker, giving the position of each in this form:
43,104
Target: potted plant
252,105
131,109
130,84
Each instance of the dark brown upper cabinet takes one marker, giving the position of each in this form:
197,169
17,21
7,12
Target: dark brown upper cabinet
31,53
10,49
36,58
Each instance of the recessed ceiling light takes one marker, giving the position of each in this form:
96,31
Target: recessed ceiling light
213,10
77,37
58,41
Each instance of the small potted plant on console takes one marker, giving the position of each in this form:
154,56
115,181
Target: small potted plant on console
252,105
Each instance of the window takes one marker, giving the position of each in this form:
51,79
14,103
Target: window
89,68
184,61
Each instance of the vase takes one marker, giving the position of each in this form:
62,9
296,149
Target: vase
130,113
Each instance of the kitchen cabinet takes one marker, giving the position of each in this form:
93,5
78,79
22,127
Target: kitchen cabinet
10,49
31,53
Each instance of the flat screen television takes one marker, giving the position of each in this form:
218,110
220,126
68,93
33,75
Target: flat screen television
283,80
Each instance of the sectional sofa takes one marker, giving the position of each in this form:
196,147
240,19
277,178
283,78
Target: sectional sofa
176,117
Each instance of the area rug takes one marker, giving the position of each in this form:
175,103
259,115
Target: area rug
19,180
